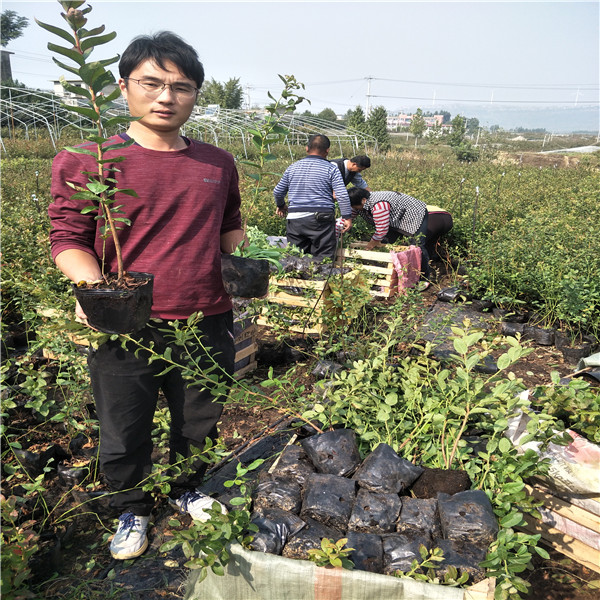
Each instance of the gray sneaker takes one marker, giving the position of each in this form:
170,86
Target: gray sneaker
196,503
131,540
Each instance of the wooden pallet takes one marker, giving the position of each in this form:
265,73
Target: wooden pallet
309,303
384,281
566,527
245,350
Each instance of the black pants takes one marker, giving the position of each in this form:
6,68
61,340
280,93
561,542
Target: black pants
438,224
419,239
314,235
126,390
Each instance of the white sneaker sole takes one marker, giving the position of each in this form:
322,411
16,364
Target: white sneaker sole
128,555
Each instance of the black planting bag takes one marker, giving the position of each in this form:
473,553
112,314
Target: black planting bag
384,471
329,500
467,516
334,452
374,513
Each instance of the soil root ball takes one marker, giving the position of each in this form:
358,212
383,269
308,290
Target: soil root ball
384,471
329,500
374,513
333,452
368,551
468,517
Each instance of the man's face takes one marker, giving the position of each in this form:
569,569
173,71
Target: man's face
163,112
354,168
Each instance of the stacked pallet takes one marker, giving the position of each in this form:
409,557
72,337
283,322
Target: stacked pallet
384,279
244,332
305,300
569,523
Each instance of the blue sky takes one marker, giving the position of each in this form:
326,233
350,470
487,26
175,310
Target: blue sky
459,56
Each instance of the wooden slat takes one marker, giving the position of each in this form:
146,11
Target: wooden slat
302,283
484,590
247,351
565,544
565,509
249,367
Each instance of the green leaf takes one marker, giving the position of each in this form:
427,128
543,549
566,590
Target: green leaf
92,42
68,52
512,519
82,110
65,35
504,445
503,362
77,90
84,33
391,399
79,150
543,553
62,65
96,187
460,346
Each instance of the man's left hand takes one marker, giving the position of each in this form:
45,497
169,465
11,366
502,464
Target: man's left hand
347,224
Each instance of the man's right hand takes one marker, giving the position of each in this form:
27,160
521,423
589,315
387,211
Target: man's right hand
281,211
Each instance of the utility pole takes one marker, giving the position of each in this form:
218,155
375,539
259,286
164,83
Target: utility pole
367,105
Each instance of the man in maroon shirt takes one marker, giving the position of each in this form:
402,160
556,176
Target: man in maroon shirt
186,214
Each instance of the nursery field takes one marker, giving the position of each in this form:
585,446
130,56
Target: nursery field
524,243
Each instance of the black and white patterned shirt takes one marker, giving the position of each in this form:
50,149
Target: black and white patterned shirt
405,212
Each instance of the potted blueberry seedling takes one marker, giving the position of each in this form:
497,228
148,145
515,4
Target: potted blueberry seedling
121,301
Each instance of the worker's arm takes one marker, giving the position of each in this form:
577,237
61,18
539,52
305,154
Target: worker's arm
231,240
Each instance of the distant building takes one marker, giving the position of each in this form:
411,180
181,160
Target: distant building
69,97
404,120
5,68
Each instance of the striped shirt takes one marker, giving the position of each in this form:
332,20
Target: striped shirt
400,212
309,184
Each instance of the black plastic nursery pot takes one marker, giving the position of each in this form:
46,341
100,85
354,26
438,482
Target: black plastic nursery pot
118,310
245,277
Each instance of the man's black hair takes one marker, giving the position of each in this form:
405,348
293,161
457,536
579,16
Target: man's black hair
318,142
362,161
159,48
357,194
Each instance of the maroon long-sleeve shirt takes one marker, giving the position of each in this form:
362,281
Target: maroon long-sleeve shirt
186,200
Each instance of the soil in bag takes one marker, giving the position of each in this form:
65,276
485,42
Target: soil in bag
309,537
329,500
432,481
333,452
468,517
383,471
400,549
374,513
274,528
368,551
294,464
275,492
463,561
419,515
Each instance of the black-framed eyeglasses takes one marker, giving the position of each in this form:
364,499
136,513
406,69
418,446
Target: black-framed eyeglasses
155,88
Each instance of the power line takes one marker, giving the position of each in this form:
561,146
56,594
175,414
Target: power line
592,102
558,86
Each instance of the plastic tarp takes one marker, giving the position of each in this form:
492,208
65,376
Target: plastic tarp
573,468
257,576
